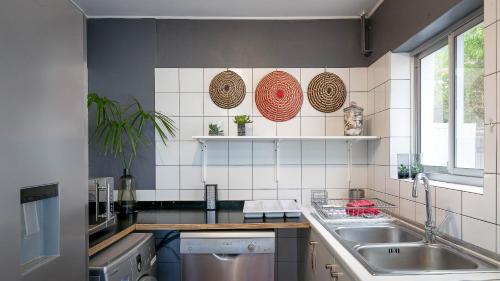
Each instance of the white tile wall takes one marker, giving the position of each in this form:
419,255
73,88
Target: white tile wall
472,217
245,170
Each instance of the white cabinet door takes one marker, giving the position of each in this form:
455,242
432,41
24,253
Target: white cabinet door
318,263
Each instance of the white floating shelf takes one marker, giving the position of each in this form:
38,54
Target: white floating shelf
203,140
278,138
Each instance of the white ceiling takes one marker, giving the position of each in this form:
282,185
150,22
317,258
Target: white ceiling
228,9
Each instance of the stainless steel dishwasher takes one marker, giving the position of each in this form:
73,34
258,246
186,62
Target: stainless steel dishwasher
228,256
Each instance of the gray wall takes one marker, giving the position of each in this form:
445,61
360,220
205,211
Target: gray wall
397,21
122,55
240,43
121,61
43,127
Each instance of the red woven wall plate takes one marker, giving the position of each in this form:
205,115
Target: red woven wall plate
278,96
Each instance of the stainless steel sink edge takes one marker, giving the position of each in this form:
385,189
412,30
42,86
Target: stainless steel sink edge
483,266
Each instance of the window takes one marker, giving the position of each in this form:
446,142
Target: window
450,105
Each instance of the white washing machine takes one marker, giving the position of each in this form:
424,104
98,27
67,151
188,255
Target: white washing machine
133,258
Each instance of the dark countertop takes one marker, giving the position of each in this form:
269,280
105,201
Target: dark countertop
153,216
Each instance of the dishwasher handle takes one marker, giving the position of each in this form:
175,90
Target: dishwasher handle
225,257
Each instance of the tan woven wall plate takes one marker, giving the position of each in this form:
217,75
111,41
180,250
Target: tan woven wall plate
227,89
326,92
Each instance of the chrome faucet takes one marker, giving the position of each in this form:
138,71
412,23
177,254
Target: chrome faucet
430,228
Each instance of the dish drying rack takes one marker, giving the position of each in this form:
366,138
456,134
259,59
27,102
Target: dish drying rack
335,210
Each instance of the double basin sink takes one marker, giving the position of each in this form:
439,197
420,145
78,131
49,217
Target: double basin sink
392,249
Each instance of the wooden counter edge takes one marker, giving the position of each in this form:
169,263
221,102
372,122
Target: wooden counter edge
106,243
221,226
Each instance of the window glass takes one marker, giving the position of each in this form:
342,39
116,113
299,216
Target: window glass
469,106
434,107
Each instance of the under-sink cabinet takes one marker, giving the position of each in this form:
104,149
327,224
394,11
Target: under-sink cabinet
317,262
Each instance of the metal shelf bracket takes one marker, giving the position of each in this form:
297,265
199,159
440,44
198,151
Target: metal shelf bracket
277,160
204,152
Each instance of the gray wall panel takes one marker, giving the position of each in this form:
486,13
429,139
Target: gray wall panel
43,127
396,21
121,61
239,43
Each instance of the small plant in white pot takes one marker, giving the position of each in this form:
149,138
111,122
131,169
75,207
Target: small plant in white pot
241,121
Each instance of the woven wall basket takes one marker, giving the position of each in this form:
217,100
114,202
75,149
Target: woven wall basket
278,96
326,92
227,89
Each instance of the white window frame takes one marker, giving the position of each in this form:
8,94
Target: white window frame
451,173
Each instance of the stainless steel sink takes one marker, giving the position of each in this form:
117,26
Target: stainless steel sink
414,257
394,249
378,234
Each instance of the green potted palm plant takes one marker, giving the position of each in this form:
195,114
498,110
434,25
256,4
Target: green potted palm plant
119,131
241,121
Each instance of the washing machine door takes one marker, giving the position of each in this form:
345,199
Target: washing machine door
147,278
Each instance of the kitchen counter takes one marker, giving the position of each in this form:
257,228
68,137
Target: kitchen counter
359,272
155,216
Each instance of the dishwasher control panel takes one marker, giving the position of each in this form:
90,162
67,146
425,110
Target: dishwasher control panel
227,243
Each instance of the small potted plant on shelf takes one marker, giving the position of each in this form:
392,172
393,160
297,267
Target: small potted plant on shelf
241,121
415,169
215,129
403,172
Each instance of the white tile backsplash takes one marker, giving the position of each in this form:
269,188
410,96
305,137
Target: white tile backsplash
482,206
334,126
490,12
263,153
191,80
480,233
449,223
218,175
192,195
449,199
167,195
337,176
240,177
407,209
240,153
290,176
358,79
218,153
191,177
167,177
240,194
290,152
189,127
167,103
490,98
313,176
191,104
263,127
264,177
313,126
490,49
313,152
146,195
190,153
167,154
289,128
399,93
166,80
